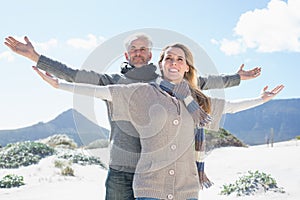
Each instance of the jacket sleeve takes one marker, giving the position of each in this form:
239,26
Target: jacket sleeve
62,71
218,82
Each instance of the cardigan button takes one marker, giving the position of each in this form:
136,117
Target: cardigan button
173,146
170,196
176,122
171,172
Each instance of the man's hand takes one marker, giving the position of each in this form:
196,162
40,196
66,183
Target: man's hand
250,74
20,48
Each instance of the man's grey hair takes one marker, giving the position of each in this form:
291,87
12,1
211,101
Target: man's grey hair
131,38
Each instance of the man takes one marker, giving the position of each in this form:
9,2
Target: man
125,148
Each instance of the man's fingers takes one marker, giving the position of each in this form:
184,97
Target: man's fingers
12,40
8,42
11,43
242,66
256,71
26,39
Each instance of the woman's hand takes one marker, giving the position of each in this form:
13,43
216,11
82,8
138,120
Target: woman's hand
268,95
47,77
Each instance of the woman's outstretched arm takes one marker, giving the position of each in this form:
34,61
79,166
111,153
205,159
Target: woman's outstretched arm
244,104
101,92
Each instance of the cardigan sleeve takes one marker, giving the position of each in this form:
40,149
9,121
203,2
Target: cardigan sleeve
101,92
124,100
221,106
242,104
117,97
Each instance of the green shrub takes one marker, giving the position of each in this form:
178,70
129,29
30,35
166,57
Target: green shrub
60,140
23,154
251,183
67,171
298,137
83,159
11,180
65,166
61,163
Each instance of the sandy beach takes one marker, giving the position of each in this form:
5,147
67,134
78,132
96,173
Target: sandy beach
223,166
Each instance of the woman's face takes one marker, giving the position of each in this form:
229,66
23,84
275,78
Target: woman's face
174,65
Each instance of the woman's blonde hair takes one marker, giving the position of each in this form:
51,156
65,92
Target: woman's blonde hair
190,76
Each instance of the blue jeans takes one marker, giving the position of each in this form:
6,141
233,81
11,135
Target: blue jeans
119,185
146,198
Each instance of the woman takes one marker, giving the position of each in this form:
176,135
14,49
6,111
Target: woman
165,114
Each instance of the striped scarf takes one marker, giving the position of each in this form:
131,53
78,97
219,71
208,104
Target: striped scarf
182,92
200,155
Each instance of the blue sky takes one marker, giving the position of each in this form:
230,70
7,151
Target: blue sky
261,33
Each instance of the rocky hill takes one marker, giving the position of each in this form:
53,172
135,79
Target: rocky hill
62,124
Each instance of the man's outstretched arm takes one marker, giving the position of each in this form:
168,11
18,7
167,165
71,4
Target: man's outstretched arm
53,67
225,81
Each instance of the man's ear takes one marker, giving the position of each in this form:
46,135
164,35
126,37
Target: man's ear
126,56
150,56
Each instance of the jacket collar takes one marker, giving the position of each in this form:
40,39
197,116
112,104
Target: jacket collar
144,73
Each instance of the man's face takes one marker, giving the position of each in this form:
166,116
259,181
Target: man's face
138,53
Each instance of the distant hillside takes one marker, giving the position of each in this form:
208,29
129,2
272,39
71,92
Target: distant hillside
62,124
254,126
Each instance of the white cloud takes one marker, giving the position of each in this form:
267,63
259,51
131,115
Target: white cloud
7,55
272,29
91,42
232,47
45,45
213,41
